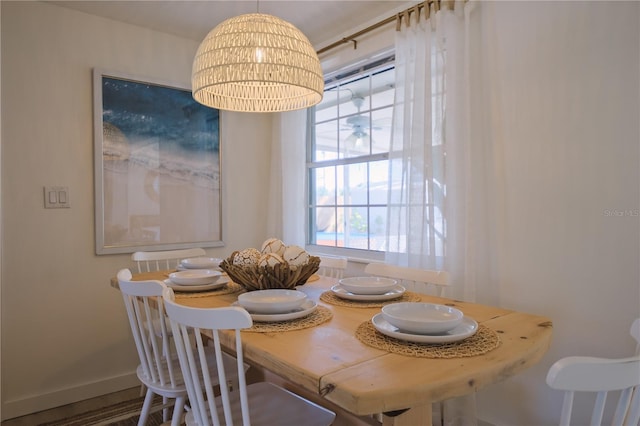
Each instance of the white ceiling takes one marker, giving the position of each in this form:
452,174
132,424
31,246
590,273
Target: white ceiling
322,21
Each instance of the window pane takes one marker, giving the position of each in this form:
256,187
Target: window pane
382,88
381,132
359,96
326,225
325,186
329,229
377,228
356,135
326,143
356,228
356,184
328,107
378,185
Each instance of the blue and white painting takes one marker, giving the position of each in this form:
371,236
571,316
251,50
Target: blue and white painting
161,166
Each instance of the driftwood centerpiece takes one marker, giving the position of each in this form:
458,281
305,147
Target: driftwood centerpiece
282,275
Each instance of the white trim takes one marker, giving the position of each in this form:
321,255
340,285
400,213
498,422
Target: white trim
34,403
353,255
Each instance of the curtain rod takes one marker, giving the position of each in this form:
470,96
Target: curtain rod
397,17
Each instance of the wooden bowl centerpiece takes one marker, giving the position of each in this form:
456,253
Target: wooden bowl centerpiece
276,265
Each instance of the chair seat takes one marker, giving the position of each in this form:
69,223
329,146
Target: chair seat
272,405
168,390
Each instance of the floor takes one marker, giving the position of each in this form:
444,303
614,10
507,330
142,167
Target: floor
342,418
73,409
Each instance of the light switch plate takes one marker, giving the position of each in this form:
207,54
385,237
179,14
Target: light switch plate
56,197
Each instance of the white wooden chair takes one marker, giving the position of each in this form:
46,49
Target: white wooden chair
159,370
599,376
256,404
332,266
419,280
148,261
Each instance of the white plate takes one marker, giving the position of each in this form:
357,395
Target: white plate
222,281
195,276
368,285
468,328
397,291
422,318
305,309
201,263
272,301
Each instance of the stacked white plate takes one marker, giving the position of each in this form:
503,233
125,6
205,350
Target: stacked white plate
276,304
196,280
200,263
368,289
424,322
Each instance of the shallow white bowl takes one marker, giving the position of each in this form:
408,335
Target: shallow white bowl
200,263
367,285
195,276
272,301
422,318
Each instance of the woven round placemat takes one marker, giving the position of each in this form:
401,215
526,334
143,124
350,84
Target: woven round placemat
330,298
230,288
317,317
483,341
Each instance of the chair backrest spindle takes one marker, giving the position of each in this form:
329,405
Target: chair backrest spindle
419,280
149,261
332,266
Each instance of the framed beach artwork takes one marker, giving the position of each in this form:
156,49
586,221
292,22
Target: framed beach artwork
157,167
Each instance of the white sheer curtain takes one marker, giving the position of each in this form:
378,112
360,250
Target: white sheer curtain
287,207
442,198
475,183
415,226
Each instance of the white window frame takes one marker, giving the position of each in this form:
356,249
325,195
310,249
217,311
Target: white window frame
353,254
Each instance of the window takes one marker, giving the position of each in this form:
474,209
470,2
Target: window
348,160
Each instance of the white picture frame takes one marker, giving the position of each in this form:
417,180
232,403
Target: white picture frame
157,166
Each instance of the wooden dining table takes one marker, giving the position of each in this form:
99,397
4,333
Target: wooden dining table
329,361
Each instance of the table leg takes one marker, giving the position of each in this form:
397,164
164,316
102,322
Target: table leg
420,415
460,411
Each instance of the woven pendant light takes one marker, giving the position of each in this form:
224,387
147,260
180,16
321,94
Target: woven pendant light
257,63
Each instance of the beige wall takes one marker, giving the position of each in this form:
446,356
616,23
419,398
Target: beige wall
64,334
567,89
64,330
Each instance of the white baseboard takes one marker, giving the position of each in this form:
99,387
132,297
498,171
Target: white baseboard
33,404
